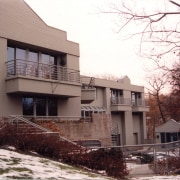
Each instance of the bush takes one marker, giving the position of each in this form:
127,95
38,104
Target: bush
110,160
171,165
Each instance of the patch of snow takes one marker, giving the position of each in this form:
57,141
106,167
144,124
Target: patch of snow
14,164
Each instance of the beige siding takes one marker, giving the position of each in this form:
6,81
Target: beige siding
73,62
69,107
20,23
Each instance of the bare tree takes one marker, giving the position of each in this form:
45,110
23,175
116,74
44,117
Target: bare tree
157,83
160,26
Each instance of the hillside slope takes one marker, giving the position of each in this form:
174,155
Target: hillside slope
15,165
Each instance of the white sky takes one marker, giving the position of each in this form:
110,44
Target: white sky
102,50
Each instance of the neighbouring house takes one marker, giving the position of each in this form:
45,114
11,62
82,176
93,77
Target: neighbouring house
168,132
40,80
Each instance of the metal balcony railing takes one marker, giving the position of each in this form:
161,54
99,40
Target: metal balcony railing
120,101
19,67
139,102
129,102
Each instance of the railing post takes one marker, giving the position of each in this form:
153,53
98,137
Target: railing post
166,169
155,162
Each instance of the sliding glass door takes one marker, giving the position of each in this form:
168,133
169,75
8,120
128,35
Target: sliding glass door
39,106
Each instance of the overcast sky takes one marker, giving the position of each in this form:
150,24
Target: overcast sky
102,49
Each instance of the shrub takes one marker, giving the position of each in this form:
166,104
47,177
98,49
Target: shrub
110,160
171,165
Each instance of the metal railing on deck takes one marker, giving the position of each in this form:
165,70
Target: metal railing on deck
19,67
128,101
120,100
53,118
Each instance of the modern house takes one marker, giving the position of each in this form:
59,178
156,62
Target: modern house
40,79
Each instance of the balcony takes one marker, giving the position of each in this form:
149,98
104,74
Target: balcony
120,104
123,104
140,105
33,77
88,95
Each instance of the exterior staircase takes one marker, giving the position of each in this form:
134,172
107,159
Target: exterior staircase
21,127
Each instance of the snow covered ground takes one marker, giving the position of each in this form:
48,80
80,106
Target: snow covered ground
14,165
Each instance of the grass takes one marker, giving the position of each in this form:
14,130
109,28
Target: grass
44,161
2,171
5,160
14,161
19,169
24,176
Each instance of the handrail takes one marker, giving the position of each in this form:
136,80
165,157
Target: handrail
22,67
3,126
29,122
14,118
128,101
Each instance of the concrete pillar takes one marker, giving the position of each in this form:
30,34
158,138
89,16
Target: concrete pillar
144,126
106,98
3,55
9,104
129,138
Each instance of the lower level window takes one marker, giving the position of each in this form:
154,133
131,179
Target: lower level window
39,106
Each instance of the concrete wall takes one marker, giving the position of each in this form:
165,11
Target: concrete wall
69,106
99,101
8,104
98,129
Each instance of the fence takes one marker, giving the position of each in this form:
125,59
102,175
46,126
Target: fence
147,157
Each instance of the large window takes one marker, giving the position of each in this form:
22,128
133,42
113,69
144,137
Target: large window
31,63
116,96
20,61
33,60
39,106
136,98
46,66
11,58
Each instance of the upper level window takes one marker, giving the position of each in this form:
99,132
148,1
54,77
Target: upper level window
20,54
136,98
30,63
11,54
116,96
116,93
33,56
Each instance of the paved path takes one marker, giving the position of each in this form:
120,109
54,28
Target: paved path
140,171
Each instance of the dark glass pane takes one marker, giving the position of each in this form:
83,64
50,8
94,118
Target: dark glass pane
20,61
33,56
27,106
11,62
52,107
10,54
41,107
33,64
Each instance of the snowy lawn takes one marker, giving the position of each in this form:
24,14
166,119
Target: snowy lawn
14,165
